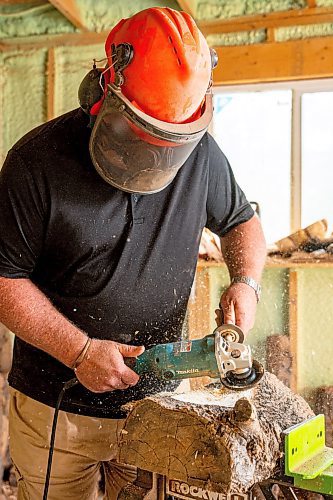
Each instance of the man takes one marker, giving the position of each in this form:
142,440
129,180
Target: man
98,247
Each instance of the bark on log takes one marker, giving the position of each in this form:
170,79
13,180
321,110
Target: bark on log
213,438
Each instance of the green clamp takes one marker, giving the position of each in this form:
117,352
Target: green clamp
307,459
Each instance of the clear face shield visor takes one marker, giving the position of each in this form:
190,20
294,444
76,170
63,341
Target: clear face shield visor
137,153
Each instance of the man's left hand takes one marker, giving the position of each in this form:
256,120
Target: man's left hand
238,306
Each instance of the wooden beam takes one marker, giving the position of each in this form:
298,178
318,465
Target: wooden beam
269,62
70,9
274,20
186,7
279,262
293,327
32,3
199,306
50,83
48,41
199,315
270,35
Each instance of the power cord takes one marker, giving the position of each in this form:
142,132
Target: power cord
66,386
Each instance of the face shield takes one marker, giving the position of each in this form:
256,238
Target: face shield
137,153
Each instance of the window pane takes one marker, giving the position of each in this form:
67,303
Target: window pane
253,129
317,157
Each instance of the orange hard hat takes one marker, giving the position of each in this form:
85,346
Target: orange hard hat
156,104
170,70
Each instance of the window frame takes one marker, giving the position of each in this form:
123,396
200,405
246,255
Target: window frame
298,88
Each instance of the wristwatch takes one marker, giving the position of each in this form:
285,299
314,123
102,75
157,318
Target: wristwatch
248,281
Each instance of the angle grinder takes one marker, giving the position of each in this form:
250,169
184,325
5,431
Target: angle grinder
220,355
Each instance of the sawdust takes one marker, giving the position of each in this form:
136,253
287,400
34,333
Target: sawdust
8,492
214,395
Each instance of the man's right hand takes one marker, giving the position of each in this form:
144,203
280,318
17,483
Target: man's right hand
103,369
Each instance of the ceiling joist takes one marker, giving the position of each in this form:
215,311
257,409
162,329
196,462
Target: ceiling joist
71,11
186,6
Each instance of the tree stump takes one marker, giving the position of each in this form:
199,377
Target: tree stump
213,438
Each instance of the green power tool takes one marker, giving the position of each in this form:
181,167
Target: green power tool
220,355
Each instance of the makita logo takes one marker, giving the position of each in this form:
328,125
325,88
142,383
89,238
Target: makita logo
186,491
185,372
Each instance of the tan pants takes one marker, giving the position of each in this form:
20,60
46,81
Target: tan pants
81,445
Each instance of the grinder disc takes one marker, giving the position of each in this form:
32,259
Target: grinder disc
243,381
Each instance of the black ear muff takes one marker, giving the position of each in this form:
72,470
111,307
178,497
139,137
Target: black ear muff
90,90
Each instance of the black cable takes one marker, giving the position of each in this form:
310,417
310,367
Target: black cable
66,386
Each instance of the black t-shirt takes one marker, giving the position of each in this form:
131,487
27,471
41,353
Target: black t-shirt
120,266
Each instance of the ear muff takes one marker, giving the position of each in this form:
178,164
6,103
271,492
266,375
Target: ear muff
91,89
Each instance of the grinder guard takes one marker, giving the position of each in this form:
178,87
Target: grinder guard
237,382
234,359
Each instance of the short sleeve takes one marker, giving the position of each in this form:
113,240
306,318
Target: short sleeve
21,219
227,206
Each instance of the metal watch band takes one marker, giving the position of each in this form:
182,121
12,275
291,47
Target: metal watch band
248,281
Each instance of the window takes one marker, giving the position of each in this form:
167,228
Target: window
279,141
317,157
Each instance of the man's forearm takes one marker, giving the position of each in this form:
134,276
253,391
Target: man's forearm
244,249
28,313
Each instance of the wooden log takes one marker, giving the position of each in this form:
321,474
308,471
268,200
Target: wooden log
213,438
